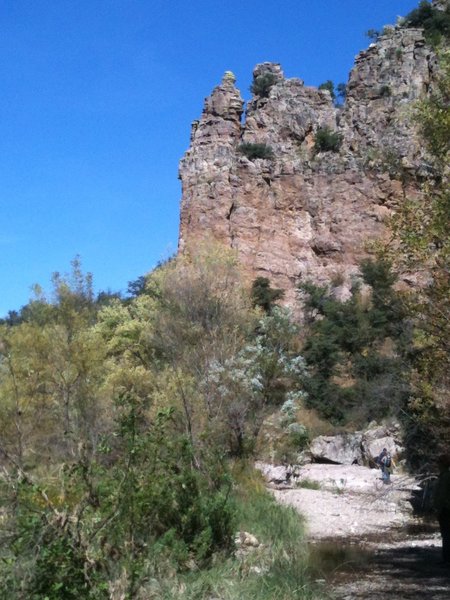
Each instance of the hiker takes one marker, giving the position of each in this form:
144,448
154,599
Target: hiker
384,461
441,501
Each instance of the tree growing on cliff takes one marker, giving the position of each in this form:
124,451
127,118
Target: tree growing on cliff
263,295
354,349
262,84
434,21
421,245
327,140
329,87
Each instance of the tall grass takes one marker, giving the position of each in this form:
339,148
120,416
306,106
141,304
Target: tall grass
276,570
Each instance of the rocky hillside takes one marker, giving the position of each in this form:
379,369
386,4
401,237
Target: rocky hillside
305,210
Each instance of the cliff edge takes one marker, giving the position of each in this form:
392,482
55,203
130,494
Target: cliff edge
256,179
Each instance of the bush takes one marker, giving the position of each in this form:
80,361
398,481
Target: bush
355,350
263,295
328,86
385,91
262,84
327,140
435,22
253,151
373,34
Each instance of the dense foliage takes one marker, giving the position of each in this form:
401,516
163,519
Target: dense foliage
119,420
421,244
263,295
262,84
329,87
327,140
253,151
435,22
354,349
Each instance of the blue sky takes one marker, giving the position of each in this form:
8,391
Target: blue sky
95,112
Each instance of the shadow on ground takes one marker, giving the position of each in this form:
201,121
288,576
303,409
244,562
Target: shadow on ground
401,572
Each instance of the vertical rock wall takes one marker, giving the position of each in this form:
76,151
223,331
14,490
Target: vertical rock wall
302,214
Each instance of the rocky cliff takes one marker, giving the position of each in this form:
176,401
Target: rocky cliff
301,212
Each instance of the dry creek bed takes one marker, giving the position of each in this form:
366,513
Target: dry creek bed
380,550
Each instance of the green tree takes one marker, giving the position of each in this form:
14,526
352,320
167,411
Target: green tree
341,89
421,245
373,34
434,21
263,295
262,84
354,349
328,86
51,366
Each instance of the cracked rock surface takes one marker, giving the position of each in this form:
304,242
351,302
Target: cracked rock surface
303,214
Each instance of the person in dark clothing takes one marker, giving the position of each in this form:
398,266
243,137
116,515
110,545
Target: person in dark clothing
441,501
385,462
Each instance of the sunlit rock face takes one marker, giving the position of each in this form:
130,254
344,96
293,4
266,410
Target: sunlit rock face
302,213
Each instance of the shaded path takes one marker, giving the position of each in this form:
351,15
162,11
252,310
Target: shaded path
401,572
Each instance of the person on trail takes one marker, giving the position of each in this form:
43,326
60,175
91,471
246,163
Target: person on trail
384,460
441,501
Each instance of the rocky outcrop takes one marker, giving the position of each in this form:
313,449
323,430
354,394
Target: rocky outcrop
303,213
361,447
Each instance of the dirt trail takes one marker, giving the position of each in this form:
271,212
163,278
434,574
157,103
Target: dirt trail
393,556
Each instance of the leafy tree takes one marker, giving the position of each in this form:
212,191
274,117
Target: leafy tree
435,21
263,295
338,93
421,245
354,349
341,90
373,34
137,286
328,86
262,84
260,377
51,366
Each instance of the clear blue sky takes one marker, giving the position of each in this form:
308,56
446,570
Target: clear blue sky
95,112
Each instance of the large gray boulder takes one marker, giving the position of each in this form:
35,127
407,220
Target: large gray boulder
376,438
344,448
361,447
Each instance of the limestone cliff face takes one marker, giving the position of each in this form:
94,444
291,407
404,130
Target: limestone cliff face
303,214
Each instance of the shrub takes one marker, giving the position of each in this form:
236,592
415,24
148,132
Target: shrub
385,91
253,151
435,22
262,84
309,484
355,350
327,140
328,86
341,89
263,295
373,34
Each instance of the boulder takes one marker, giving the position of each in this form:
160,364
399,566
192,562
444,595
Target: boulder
361,447
274,474
379,437
344,448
